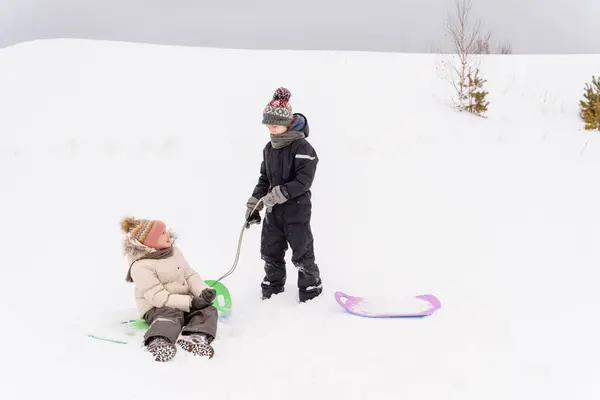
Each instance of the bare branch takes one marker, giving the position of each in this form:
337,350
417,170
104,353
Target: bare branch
505,48
468,42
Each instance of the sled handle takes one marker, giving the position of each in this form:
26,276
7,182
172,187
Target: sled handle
341,298
345,300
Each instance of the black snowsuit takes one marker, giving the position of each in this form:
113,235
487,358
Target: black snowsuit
293,168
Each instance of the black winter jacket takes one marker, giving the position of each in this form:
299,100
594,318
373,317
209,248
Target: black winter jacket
292,167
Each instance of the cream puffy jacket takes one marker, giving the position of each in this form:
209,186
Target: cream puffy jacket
169,282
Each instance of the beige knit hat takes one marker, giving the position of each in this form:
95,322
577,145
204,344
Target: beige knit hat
144,231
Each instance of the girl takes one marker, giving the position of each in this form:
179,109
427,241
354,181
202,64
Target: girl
286,174
169,295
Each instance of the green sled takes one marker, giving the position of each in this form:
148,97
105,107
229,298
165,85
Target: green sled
222,303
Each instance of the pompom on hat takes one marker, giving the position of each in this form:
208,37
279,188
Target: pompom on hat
279,109
144,231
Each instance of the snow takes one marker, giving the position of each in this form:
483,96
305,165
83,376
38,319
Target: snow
497,217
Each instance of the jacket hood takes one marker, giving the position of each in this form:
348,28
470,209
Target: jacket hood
134,249
300,124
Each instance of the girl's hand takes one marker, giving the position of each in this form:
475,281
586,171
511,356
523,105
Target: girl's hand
209,294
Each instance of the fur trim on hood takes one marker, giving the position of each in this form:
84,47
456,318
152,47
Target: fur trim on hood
134,250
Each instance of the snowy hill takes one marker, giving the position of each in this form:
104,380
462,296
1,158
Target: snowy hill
498,217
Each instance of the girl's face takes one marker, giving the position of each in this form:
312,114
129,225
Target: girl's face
165,240
277,129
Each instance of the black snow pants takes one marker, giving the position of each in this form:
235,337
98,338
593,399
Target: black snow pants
289,223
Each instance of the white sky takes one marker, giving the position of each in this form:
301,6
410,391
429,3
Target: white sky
532,26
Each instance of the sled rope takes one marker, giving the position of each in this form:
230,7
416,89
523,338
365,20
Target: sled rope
239,246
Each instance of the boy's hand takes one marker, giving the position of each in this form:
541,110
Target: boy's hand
275,196
254,218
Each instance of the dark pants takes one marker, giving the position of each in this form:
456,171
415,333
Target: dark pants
289,223
170,322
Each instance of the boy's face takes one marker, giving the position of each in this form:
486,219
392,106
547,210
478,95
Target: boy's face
277,129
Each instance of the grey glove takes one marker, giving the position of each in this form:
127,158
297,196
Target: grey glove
253,217
199,303
209,294
275,196
204,300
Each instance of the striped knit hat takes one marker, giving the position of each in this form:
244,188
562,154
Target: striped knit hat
279,110
144,231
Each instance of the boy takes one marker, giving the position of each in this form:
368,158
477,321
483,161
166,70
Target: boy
286,175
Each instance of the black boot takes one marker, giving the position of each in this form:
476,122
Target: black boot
310,292
267,292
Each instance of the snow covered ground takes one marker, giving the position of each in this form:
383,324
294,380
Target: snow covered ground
498,217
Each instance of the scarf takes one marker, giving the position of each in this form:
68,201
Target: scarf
155,255
283,140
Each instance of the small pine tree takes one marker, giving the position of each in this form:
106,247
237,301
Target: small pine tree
476,96
590,107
